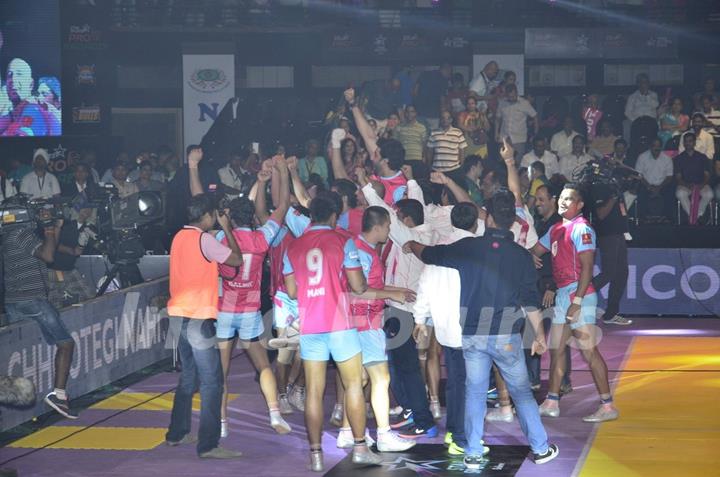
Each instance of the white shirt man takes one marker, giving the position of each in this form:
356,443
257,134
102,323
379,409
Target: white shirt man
571,162
550,160
403,269
230,178
641,104
8,190
514,117
561,143
655,169
40,184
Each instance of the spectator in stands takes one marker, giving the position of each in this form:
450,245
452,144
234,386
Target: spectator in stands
708,90
674,122
123,158
446,147
592,116
82,183
656,169
234,177
578,157
712,117
704,142
145,181
604,143
18,170
538,178
407,85
312,163
512,121
40,184
643,102
501,94
89,158
561,142
172,164
456,97
412,135
473,169
430,88
382,96
119,180
475,125
388,128
716,178
7,188
692,176
483,85
541,154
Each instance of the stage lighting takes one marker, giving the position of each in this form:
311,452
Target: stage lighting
137,210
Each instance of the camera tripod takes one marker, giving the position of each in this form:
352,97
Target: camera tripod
126,270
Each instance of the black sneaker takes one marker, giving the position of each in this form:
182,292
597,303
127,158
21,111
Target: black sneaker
552,452
473,462
415,431
404,419
60,405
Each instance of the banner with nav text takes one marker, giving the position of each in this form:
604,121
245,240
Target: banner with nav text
208,84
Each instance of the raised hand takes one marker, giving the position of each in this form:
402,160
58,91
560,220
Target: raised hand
438,178
350,95
194,157
264,176
507,152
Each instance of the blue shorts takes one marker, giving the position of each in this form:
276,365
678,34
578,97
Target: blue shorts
588,308
44,314
285,310
341,345
372,343
247,325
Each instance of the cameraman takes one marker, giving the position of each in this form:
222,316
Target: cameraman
66,285
609,216
25,256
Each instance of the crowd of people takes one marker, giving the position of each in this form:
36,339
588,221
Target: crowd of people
393,242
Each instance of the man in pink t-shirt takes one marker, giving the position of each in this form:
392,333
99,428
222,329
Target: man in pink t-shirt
572,244
321,267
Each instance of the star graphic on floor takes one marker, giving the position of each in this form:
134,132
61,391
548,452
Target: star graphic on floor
422,467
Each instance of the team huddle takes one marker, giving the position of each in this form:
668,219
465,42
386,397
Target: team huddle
379,279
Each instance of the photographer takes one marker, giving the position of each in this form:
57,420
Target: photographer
25,256
66,285
609,216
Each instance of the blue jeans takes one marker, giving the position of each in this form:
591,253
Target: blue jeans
506,351
455,394
44,314
200,358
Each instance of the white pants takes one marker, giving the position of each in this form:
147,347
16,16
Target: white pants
683,195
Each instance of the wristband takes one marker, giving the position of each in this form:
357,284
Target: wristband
577,300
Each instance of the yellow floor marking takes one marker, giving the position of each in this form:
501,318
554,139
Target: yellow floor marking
125,400
669,421
95,438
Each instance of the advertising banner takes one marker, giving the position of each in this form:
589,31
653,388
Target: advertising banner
115,335
208,84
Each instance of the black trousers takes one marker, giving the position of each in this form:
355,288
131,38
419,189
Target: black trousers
613,270
405,378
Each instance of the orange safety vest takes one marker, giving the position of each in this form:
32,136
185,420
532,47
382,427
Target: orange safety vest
193,278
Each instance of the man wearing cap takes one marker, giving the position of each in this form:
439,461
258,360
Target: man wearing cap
40,184
26,117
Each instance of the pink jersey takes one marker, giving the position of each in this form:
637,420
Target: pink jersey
368,314
240,286
353,222
318,260
395,187
566,241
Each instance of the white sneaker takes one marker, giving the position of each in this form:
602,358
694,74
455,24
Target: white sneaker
345,439
278,423
396,411
391,442
497,415
223,428
296,397
284,404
